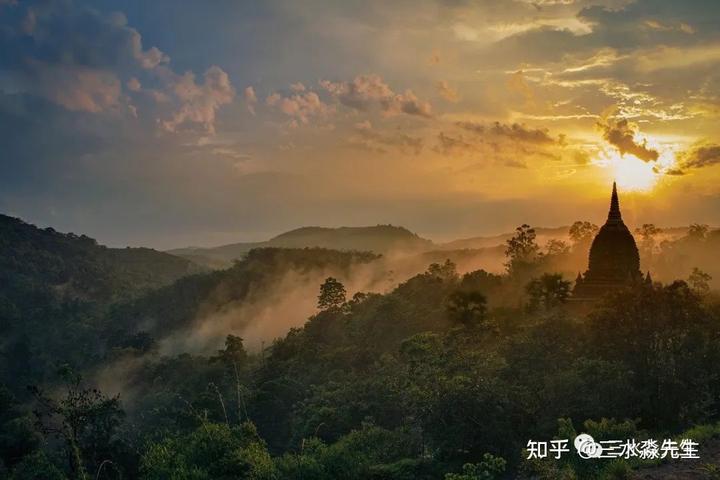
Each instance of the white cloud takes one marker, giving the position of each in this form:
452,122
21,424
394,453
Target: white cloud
250,99
367,91
300,106
198,103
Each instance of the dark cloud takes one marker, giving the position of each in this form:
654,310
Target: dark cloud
71,56
448,144
621,134
63,33
701,156
522,133
514,131
89,61
514,163
637,25
474,127
370,139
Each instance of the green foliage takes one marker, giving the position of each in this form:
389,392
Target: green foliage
399,385
36,467
647,233
85,420
582,232
698,231
211,452
571,466
468,309
18,437
547,292
446,271
490,468
522,250
674,369
369,452
480,281
699,281
556,247
702,433
77,266
332,295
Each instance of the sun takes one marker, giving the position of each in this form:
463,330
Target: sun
633,174
630,173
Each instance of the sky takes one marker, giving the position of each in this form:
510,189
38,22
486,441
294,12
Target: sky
170,124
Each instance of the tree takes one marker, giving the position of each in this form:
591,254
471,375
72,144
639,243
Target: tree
85,420
547,291
234,352
698,231
699,281
666,339
490,468
467,308
18,438
647,237
211,452
234,358
36,467
521,250
480,280
446,271
582,232
556,247
332,295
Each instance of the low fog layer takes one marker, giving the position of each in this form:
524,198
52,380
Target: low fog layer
270,310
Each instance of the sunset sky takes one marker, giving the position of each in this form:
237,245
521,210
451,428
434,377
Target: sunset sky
167,124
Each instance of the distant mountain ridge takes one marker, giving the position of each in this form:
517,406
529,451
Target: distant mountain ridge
543,234
379,239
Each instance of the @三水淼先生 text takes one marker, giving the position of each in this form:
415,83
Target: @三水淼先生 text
587,448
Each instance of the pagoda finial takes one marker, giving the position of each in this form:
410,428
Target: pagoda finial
614,214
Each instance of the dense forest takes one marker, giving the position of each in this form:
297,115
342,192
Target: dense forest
444,375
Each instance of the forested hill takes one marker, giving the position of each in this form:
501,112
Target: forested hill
75,266
378,239
65,300
55,289
442,376
278,279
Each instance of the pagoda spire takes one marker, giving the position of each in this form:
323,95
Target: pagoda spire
614,214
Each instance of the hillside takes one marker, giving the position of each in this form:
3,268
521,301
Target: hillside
77,267
56,287
267,281
64,299
378,239
407,354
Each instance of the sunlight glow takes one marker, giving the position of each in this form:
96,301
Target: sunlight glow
633,174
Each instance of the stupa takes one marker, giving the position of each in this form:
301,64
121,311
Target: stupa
614,259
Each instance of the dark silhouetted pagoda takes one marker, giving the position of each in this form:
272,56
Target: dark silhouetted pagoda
614,259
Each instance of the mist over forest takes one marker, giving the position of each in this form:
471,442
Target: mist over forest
359,240
312,362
